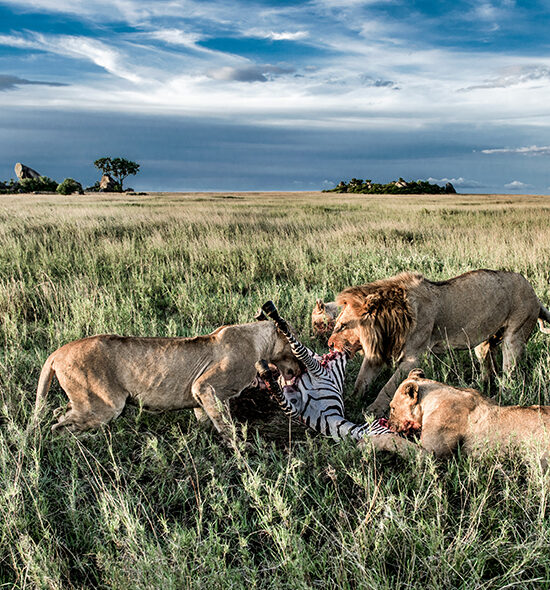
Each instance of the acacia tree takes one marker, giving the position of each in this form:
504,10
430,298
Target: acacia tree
118,168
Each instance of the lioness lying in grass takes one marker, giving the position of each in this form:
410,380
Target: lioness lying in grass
447,416
99,374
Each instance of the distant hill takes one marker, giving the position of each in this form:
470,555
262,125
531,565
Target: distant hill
396,187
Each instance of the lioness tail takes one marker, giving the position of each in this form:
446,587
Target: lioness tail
44,383
544,316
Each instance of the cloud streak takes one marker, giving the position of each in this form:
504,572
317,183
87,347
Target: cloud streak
11,82
514,76
76,47
532,150
250,73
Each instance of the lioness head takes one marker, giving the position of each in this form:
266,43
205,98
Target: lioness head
405,411
283,358
323,318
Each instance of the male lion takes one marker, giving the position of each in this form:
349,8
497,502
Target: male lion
448,416
397,319
100,373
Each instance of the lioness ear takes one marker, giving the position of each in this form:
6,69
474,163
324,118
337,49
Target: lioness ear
411,389
320,305
416,374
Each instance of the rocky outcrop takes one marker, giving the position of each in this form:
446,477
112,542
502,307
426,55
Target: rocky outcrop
107,184
449,188
24,172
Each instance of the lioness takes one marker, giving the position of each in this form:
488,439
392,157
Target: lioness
323,318
100,373
397,319
448,416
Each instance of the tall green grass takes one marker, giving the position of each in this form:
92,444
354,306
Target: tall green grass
152,501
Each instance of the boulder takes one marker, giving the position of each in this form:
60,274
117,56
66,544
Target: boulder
107,184
449,188
23,172
401,183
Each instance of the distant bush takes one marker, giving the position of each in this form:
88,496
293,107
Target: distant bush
29,185
94,188
397,187
9,187
69,186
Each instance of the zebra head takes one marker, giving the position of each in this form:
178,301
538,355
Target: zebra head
316,400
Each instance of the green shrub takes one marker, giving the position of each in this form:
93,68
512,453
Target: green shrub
9,187
29,185
94,188
399,187
69,186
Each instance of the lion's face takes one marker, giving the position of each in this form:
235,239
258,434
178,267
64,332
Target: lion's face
346,334
405,412
323,318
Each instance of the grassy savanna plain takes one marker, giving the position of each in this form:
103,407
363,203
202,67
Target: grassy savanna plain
152,500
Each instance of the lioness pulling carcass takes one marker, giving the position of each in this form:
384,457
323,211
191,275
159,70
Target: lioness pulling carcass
100,373
448,416
397,319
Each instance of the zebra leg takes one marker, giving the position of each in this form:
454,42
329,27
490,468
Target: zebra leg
302,353
271,311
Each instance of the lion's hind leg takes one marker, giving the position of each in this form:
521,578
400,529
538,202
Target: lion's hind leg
79,419
87,408
216,409
486,355
514,342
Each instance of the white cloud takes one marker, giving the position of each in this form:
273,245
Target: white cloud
176,37
457,182
515,75
276,35
517,185
288,36
131,11
532,150
77,47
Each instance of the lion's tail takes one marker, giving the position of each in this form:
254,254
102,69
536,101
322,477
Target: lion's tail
44,382
544,316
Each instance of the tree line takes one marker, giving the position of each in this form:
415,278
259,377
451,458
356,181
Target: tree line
396,187
117,169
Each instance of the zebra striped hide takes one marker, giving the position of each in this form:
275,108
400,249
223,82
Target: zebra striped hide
317,396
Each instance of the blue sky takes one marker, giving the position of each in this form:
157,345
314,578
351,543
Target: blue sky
247,95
